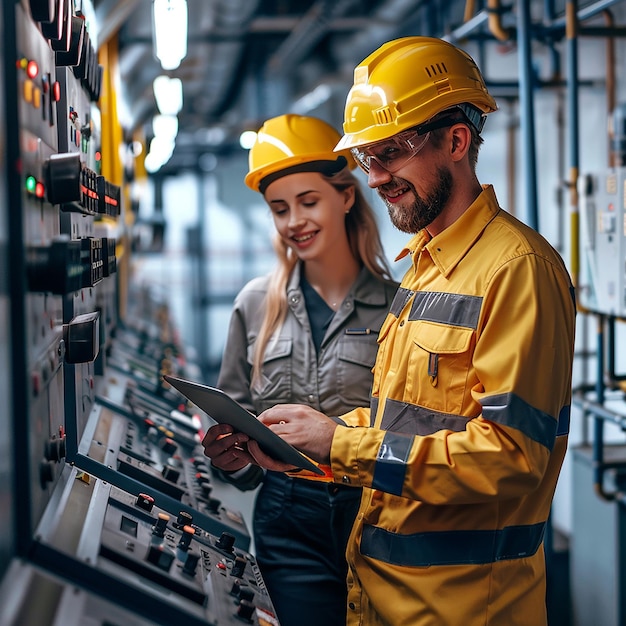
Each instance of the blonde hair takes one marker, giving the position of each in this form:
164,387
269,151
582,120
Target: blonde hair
364,241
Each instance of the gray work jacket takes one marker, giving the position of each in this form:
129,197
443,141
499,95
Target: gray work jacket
334,381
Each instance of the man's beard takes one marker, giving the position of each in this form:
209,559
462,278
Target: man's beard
423,211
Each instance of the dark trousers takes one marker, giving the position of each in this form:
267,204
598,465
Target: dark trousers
301,528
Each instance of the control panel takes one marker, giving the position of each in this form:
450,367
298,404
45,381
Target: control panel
603,232
123,549
112,515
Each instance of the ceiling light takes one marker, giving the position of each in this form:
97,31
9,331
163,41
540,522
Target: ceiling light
312,100
247,139
168,93
170,32
165,126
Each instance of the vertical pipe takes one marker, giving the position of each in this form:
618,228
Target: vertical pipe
571,32
527,111
511,160
610,349
598,422
202,287
610,85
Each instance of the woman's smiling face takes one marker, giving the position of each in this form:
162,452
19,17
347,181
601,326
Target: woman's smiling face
309,213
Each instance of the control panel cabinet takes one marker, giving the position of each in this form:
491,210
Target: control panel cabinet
603,232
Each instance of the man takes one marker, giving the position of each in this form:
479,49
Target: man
461,447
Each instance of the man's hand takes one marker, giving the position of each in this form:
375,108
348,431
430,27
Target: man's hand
304,428
227,449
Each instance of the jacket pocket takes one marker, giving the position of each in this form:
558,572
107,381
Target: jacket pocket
439,365
356,356
274,385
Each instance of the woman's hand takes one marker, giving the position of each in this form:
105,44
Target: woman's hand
227,448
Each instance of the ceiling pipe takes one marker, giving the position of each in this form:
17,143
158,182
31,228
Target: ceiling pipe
111,15
385,24
494,21
222,58
309,31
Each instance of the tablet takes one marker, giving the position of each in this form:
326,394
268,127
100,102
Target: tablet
223,409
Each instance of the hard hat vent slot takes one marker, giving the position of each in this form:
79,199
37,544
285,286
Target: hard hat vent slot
383,116
437,69
443,86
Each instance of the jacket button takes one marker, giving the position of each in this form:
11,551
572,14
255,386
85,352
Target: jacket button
345,479
351,606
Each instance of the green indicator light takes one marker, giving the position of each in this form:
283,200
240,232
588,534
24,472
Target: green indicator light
31,183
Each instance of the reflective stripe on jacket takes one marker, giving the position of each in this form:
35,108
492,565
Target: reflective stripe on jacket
468,430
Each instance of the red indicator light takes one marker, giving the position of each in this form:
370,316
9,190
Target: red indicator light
32,69
40,190
56,91
98,155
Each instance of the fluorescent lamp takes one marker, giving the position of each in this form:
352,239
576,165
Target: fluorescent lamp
170,32
168,93
165,127
312,100
161,150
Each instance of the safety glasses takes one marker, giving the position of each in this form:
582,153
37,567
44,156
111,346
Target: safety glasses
391,154
394,153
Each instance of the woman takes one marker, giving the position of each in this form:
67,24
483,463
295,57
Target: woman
305,334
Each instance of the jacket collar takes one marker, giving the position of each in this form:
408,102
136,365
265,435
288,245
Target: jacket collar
365,289
450,246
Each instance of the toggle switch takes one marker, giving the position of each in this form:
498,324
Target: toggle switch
158,530
186,537
168,445
63,177
245,610
46,473
214,505
55,449
82,338
191,563
246,594
170,473
73,55
145,502
239,566
226,542
184,519
202,477
161,556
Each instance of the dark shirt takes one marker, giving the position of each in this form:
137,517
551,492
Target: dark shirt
320,314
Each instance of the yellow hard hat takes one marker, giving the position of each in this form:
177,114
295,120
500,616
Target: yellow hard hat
404,83
291,143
